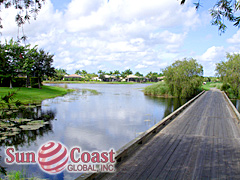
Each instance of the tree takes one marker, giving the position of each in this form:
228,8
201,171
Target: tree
100,72
28,62
123,75
152,76
78,72
138,74
128,72
42,65
11,60
229,72
60,73
83,73
222,9
26,9
117,73
184,77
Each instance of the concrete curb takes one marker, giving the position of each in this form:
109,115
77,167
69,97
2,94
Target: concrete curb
130,147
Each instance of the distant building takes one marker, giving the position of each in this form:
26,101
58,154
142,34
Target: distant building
160,78
134,78
72,76
109,78
96,79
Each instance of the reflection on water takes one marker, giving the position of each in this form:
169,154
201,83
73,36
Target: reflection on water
95,117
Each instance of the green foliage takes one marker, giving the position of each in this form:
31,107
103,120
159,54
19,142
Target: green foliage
34,82
18,60
152,76
210,85
19,82
26,9
229,73
138,74
128,72
223,9
11,55
225,87
19,175
158,89
184,78
60,73
34,95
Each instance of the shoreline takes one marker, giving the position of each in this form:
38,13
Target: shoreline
91,82
34,95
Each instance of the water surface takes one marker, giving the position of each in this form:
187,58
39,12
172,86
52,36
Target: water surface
93,121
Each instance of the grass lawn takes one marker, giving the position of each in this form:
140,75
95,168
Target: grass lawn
35,95
210,85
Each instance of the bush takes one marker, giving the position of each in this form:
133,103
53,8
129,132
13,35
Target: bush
158,89
4,82
16,82
34,82
19,82
225,87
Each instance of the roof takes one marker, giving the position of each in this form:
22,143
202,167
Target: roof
162,77
73,76
108,76
132,76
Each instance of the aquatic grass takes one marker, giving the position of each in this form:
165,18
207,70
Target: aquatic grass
18,175
92,91
157,89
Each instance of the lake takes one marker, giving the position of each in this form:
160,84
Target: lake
95,117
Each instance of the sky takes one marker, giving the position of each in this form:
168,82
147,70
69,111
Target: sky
141,35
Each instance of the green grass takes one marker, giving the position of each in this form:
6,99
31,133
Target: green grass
35,95
157,89
210,85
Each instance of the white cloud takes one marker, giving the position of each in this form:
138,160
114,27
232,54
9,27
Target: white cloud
235,39
213,54
140,66
209,59
110,35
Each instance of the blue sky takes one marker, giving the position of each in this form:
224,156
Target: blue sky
145,35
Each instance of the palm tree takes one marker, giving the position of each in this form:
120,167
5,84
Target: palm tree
84,73
138,74
77,72
128,72
117,73
100,72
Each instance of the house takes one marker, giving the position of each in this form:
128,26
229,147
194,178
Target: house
134,78
160,78
109,78
96,79
73,77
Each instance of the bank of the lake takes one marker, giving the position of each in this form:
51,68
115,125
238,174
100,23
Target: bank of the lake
35,95
91,82
160,89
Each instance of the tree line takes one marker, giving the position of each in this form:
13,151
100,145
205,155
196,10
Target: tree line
184,78
229,73
60,73
17,60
